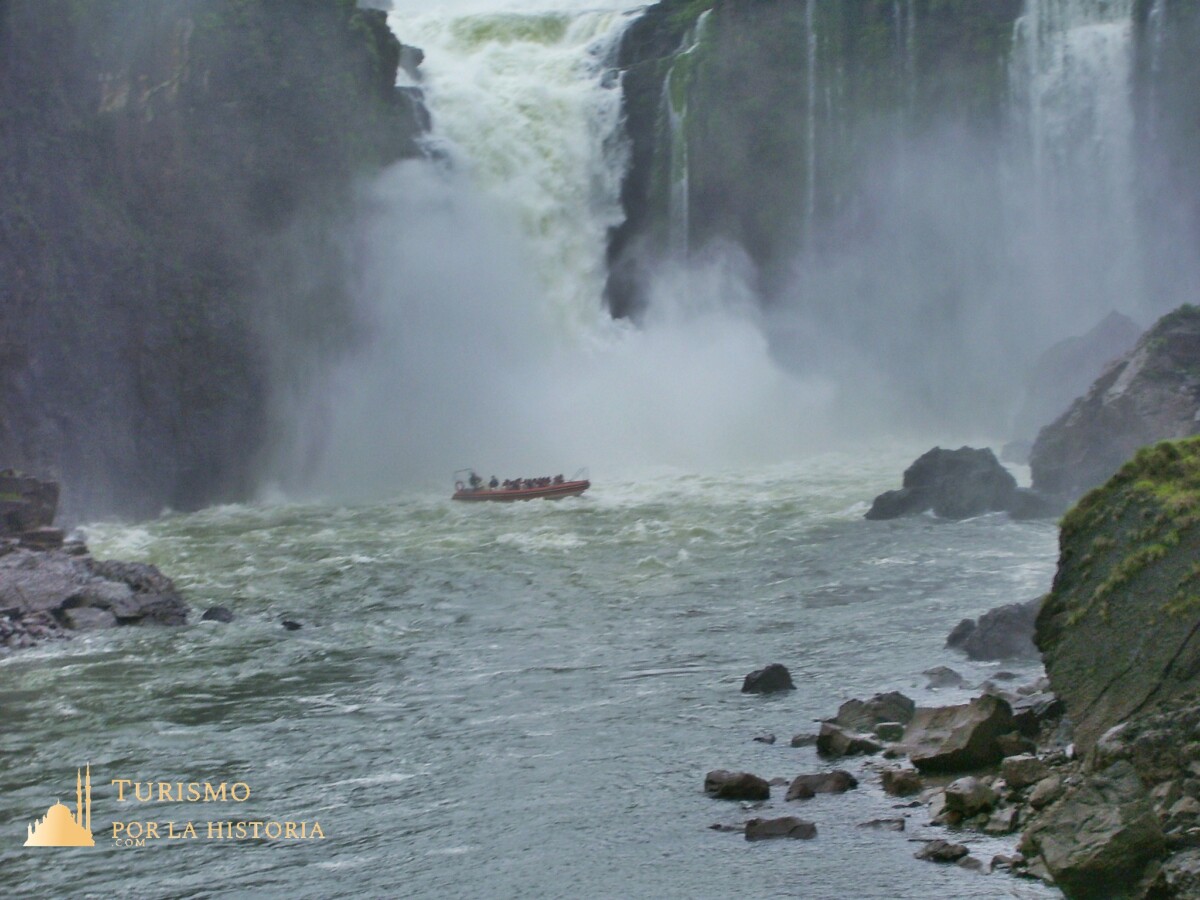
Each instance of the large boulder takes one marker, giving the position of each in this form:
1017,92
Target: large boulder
864,715
1119,629
768,680
1099,838
954,484
726,785
1005,632
958,738
1151,394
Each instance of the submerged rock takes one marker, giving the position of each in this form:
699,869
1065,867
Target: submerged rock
217,614
725,785
901,782
784,827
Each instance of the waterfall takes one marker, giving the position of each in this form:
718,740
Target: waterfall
810,124
1072,72
675,114
485,341
526,105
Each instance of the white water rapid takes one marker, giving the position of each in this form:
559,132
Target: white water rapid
482,272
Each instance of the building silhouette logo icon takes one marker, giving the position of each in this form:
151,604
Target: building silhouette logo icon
59,828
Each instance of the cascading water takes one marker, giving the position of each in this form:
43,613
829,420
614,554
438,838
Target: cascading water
481,284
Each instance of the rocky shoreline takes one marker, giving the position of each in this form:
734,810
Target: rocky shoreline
52,588
1096,766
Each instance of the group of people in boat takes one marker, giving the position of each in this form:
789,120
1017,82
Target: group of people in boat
514,484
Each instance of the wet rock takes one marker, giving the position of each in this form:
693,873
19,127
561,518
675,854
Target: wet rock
1179,876
889,731
774,677
955,484
834,742
969,796
83,618
1047,791
42,538
1097,840
784,827
217,614
901,782
804,787
1032,711
1015,744
804,740
60,584
1002,821
1005,632
290,625
970,863
864,715
725,785
1021,771
944,676
958,738
884,824
942,852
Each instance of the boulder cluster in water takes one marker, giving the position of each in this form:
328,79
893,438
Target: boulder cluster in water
51,587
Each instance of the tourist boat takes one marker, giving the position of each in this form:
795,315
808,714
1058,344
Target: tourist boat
554,490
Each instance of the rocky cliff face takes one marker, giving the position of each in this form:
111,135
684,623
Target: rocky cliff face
172,175
1118,631
1152,394
755,122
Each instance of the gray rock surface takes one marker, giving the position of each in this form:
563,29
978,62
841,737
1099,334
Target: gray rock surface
958,738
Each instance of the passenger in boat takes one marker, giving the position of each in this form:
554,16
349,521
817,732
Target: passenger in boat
558,479
475,481
493,484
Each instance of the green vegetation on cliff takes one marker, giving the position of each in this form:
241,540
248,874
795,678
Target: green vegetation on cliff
1118,629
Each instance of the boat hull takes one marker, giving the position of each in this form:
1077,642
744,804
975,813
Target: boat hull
502,495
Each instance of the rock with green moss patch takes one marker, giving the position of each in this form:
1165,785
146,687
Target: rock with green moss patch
1118,631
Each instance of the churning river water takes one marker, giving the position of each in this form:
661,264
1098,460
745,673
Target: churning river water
509,700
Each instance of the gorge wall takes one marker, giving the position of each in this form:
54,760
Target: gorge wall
174,177
931,193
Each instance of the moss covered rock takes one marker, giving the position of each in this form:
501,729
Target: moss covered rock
1118,631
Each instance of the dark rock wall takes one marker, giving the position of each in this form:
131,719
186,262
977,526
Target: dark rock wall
173,174
786,101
